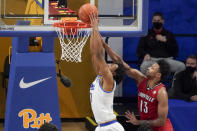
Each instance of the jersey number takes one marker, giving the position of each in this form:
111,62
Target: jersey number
143,106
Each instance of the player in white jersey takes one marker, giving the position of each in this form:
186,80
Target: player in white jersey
102,89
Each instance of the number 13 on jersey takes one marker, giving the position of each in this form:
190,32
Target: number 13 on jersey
143,106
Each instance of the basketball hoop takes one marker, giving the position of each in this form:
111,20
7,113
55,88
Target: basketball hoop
72,35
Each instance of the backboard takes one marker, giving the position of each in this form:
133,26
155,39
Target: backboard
116,17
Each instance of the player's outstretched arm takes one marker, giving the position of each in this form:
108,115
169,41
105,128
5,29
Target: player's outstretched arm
96,47
133,73
97,53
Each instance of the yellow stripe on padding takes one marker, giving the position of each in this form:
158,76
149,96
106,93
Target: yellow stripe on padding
40,1
91,121
116,113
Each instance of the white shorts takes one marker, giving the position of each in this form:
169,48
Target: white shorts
112,127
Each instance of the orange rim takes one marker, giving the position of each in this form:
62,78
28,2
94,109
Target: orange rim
70,27
71,24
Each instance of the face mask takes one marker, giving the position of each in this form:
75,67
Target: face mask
190,69
157,25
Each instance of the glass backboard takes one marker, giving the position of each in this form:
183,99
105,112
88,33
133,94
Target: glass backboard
116,17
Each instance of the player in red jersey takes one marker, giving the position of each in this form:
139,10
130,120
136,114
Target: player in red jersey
152,94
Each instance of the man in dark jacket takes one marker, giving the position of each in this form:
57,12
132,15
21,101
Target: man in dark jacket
158,44
185,82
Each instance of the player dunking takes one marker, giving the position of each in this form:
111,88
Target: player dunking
152,95
102,89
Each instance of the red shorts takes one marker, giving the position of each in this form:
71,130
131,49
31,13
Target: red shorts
166,127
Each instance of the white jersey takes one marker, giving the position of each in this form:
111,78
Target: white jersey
101,102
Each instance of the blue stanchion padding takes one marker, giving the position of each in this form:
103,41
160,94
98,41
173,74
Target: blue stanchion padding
32,97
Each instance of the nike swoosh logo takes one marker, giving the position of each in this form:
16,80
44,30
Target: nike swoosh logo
24,85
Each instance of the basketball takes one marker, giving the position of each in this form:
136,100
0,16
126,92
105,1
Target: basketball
84,12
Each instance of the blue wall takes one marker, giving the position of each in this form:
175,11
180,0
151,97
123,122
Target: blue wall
180,18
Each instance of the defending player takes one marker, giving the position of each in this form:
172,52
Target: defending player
102,89
152,95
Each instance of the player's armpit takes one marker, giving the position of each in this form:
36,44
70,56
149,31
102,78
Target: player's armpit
108,81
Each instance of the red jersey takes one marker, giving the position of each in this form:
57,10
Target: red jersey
148,104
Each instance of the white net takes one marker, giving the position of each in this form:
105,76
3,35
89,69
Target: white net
72,43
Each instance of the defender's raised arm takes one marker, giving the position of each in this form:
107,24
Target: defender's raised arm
133,73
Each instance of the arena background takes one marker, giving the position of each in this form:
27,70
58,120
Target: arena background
180,17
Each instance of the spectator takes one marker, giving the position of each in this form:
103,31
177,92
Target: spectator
185,82
48,127
158,44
